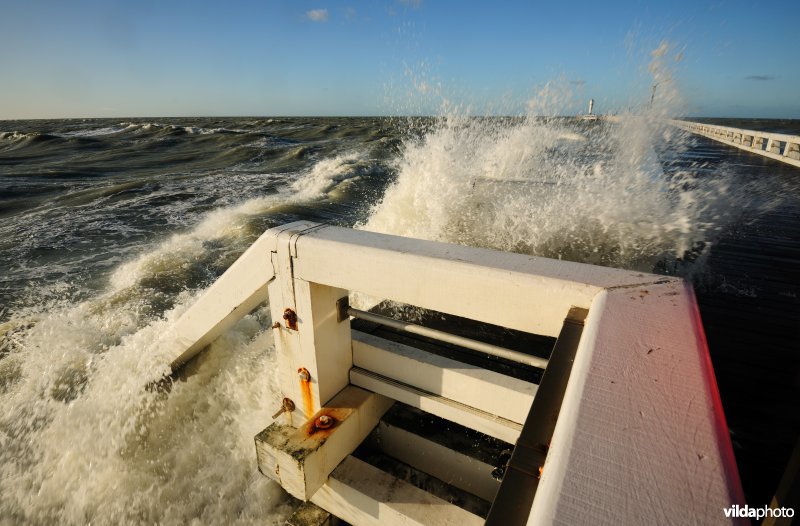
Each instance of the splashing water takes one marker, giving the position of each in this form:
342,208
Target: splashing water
593,192
89,432
83,439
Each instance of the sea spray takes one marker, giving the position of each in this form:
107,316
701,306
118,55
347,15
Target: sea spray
92,430
84,440
100,263
588,191
542,186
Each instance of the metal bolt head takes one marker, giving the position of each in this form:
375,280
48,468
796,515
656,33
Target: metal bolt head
304,374
291,318
287,406
324,422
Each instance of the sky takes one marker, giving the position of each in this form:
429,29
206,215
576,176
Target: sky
119,58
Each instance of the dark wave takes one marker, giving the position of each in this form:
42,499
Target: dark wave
92,191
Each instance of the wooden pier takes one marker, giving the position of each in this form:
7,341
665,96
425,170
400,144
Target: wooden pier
627,395
778,146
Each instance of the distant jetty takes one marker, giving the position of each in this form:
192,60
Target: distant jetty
778,146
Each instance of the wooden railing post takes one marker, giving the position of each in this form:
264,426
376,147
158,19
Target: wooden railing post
314,353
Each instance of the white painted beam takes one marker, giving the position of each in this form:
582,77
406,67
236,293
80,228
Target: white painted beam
486,423
455,468
641,436
301,459
319,344
520,292
488,391
792,150
237,292
364,495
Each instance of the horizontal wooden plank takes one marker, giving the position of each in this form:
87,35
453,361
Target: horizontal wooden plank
641,426
301,459
363,495
525,293
482,421
488,391
444,463
237,292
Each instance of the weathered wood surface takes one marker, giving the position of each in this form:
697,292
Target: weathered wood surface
641,427
366,496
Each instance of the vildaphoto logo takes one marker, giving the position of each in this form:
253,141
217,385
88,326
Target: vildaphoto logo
757,513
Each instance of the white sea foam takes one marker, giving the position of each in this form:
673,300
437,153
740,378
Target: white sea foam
530,187
94,132
183,248
325,175
193,130
13,135
85,441
592,192
228,223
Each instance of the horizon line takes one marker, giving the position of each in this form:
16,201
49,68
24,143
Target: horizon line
426,116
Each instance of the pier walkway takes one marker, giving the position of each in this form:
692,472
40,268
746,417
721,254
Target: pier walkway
778,146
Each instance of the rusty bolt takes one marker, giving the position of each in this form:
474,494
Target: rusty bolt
323,422
291,318
287,406
304,374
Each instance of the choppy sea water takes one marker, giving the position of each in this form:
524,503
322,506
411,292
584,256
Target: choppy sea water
109,229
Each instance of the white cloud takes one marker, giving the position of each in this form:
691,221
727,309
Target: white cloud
317,15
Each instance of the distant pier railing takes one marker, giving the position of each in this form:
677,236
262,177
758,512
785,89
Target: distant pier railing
778,146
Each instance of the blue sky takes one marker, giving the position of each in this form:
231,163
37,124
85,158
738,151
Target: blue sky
190,58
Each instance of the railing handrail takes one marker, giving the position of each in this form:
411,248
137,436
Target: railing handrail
468,343
784,137
778,146
520,292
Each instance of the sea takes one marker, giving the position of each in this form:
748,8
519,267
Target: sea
111,228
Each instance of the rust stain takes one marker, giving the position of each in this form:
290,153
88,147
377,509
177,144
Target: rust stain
291,319
320,435
336,416
305,390
312,437
318,430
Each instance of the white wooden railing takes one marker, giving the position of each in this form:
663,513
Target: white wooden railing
778,146
640,436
